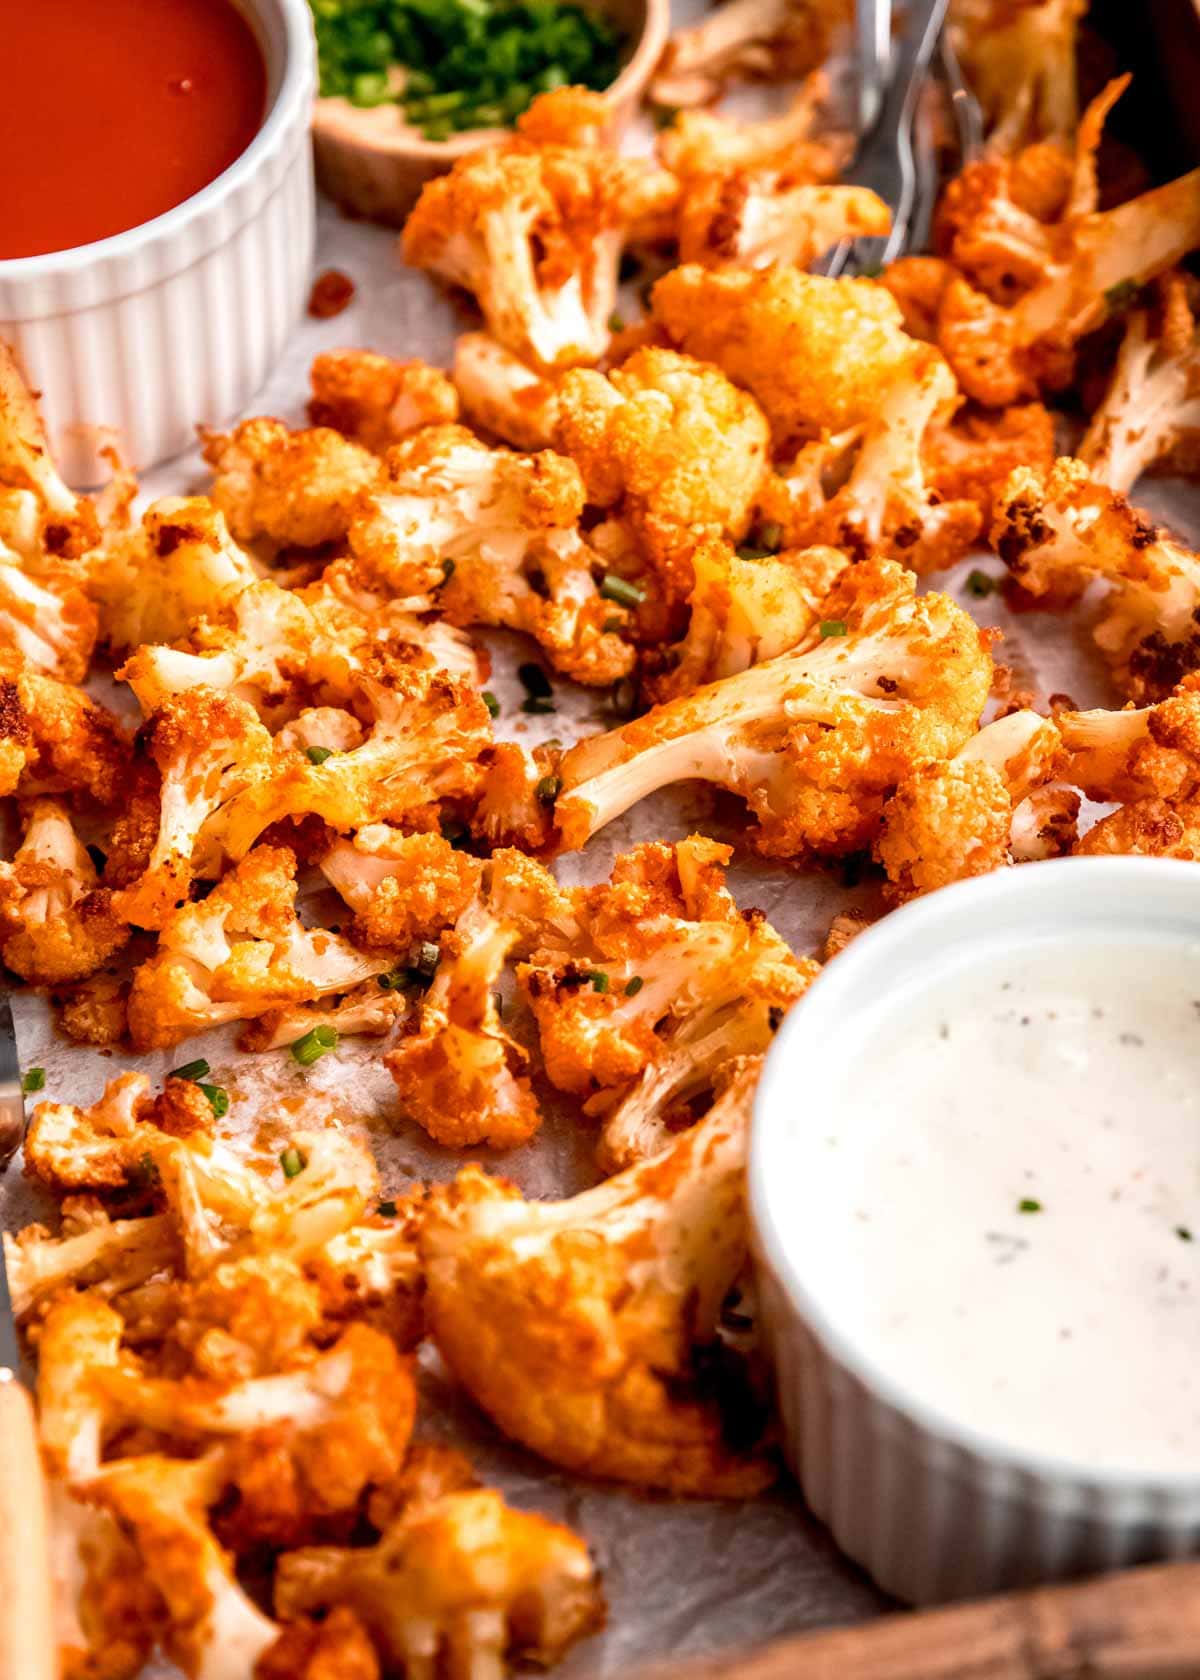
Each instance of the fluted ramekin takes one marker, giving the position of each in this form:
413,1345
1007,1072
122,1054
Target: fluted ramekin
931,1507
180,320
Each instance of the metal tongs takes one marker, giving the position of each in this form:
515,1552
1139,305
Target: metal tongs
890,82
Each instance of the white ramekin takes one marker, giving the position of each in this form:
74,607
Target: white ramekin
930,1507
178,321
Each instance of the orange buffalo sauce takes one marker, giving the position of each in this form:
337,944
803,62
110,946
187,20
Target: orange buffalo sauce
113,111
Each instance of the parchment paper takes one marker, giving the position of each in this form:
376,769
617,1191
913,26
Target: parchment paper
681,1578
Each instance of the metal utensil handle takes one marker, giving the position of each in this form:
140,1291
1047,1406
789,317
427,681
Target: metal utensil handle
873,29
885,162
12,1103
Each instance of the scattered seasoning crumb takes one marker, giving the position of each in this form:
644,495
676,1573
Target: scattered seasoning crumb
944,1030
331,293
1029,1204
1131,1038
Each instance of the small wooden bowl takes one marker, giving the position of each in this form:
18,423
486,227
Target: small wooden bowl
374,164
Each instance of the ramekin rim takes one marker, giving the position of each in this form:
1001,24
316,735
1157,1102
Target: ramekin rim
296,83
968,899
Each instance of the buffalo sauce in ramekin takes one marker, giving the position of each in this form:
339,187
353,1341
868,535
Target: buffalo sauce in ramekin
112,112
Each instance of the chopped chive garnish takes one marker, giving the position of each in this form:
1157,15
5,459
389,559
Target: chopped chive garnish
832,627
752,551
538,704
598,979
318,755
664,116
1028,1204
315,1044
199,1069
616,322
548,789
614,588
292,1161
634,986
980,584
612,626
1116,297
491,702
394,981
1183,1233
33,1079
534,680
389,1210
218,1099
770,536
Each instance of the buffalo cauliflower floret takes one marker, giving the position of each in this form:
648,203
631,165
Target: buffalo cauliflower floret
576,1325
214,1630
337,1648
1056,535
367,1011
422,734
501,394
886,503
700,144
107,1145
815,740
970,457
79,1339
179,563
775,39
671,446
742,610
500,531
1136,754
662,953
208,747
56,923
1150,413
457,1584
93,1012
461,1075
298,489
47,621
403,888
760,216
63,523
55,739
949,821
239,953
536,233
815,353
108,1616
378,401
107,1256
1020,62
516,800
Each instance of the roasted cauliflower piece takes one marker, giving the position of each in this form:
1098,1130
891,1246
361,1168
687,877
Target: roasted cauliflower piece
949,821
377,401
403,888
970,457
500,533
576,1325
46,621
458,1584
55,739
1150,414
296,489
56,521
461,1075
671,447
108,1616
743,609
886,503
662,953
1136,754
536,233
337,1648
240,953
762,216
57,924
700,144
501,394
815,353
107,1256
815,740
181,562
1057,534
207,747
775,39
111,1144
1020,61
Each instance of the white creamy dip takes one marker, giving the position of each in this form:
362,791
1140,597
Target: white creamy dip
1005,1200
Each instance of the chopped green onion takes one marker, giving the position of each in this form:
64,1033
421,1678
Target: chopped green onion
548,789
634,986
664,116
1116,297
292,1161
537,704
393,981
1183,1233
534,680
389,1210
218,1098
616,322
770,536
491,702
980,584
442,129
832,627
1028,1204
598,979
315,1044
318,755
752,551
199,1069
447,570
612,625
614,588
33,1079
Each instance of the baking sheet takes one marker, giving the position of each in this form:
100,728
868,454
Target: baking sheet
681,1577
